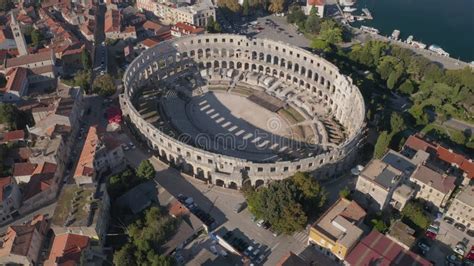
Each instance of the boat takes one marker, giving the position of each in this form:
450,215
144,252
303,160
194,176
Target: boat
369,30
367,13
349,9
435,48
409,39
418,44
359,18
346,2
395,35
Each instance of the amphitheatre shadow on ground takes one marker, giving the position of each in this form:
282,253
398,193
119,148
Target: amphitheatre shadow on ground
174,182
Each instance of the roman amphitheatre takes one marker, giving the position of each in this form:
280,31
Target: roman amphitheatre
231,109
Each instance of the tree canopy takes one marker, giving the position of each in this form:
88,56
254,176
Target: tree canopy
276,6
145,238
213,26
286,204
382,143
413,212
13,118
145,170
104,85
86,59
231,5
36,37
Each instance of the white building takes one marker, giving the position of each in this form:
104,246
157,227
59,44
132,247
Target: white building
462,207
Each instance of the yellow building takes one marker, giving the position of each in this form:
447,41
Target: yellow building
337,231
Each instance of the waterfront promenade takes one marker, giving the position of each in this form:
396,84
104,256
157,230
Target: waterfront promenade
446,62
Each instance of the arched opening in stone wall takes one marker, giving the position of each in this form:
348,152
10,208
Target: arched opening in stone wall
200,174
259,183
163,156
208,65
220,182
233,185
188,169
224,64
172,160
231,64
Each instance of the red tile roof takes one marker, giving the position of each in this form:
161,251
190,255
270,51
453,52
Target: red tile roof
29,58
16,77
418,144
112,21
85,165
377,249
4,181
444,154
14,135
22,169
37,184
67,249
187,28
150,42
316,2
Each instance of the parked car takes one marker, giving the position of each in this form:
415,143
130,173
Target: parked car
260,222
240,206
460,227
453,260
125,147
132,146
424,246
461,247
248,251
260,259
430,235
448,220
470,233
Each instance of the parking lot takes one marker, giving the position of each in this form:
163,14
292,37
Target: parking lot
270,27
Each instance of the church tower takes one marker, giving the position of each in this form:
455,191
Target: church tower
18,35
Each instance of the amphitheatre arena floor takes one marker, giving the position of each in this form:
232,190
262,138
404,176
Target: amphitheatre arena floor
232,125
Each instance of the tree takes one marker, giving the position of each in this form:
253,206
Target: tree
295,15
145,170
36,37
379,225
345,193
381,145
321,45
312,24
125,256
407,87
330,31
145,238
286,204
13,118
413,211
213,26
246,7
86,59
6,5
82,79
104,85
276,6
231,5
397,123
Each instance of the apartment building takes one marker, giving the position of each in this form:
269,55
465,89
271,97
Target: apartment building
337,231
432,186
462,207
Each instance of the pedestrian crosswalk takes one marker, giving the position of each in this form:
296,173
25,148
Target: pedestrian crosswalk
301,236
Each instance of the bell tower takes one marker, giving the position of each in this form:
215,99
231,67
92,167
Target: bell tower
18,35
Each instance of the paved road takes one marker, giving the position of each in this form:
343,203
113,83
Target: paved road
459,125
219,202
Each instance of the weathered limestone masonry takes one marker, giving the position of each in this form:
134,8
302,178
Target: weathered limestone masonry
290,64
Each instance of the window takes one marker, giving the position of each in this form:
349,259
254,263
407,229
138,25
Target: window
285,169
298,167
260,169
209,161
198,158
272,169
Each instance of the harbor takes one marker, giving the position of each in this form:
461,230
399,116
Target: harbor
433,29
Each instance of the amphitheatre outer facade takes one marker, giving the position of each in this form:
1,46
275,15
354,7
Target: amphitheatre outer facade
231,109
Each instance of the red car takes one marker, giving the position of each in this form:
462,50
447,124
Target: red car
430,235
470,254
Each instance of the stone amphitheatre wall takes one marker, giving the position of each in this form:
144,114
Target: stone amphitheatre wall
294,66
